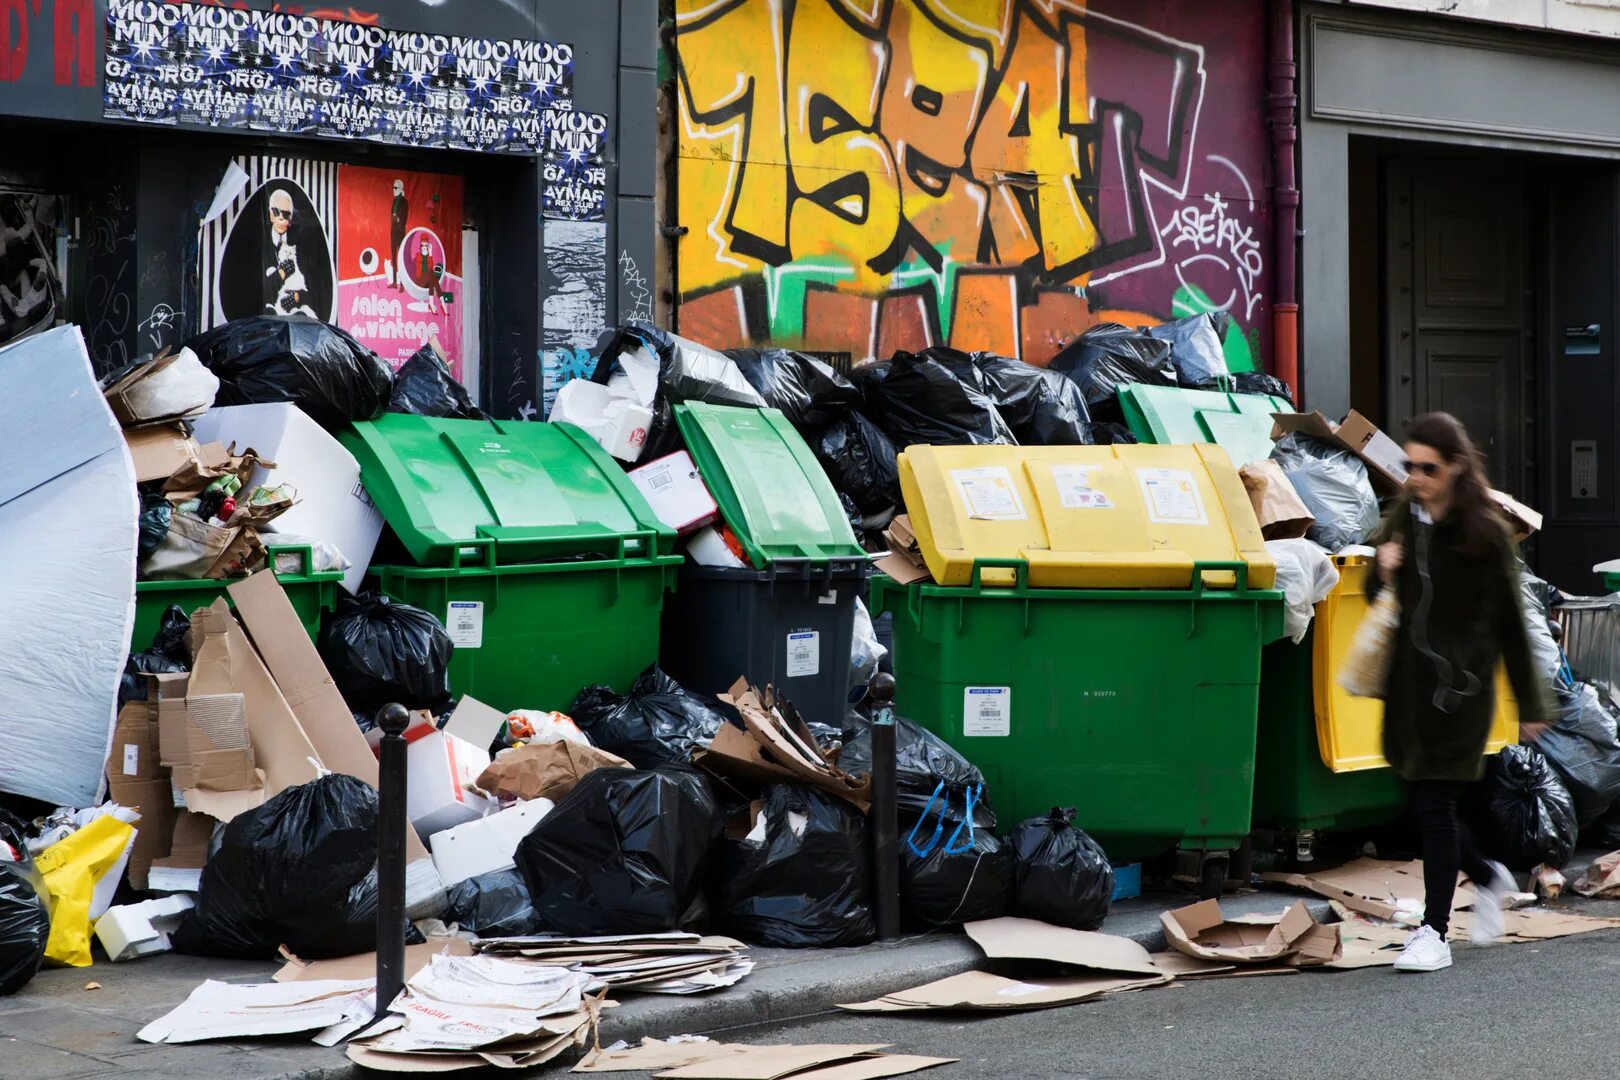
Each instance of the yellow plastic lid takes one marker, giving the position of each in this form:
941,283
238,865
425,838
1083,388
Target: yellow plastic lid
1096,517
1350,730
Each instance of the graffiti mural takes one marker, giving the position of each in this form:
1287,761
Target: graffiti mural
866,175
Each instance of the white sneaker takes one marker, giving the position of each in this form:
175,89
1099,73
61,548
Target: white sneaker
1486,926
1425,951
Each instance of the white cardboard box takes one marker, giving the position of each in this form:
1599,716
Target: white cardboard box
486,845
332,505
676,492
441,771
134,930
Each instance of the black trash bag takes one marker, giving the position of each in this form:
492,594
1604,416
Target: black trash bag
1042,407
861,462
424,386
1259,382
921,398
156,515
1582,745
1334,486
808,391
1604,833
1113,433
1108,356
298,871
380,651
1196,345
167,654
320,368
952,871
927,769
495,904
1525,812
806,883
658,721
25,917
626,852
1062,875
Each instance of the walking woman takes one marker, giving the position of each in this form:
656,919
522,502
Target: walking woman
1446,552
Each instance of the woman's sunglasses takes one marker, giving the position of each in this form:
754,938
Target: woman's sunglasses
1426,468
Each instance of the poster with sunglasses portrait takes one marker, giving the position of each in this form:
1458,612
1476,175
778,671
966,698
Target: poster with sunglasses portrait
271,251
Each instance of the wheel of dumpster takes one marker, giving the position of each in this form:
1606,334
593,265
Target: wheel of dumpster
1212,875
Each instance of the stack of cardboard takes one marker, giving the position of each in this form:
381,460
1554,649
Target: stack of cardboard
474,1011
252,718
774,746
672,963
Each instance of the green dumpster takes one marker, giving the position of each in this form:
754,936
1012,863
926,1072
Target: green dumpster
547,566
1294,792
312,595
1169,415
788,619
1131,693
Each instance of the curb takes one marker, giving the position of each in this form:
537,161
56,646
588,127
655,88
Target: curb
788,985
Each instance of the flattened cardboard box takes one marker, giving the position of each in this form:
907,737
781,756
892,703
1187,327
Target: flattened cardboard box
774,749
159,451
1385,461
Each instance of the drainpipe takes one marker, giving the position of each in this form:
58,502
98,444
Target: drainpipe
1282,104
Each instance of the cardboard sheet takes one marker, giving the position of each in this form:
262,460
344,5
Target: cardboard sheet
1028,939
768,1062
982,991
218,1010
873,1068
68,511
364,966
650,1055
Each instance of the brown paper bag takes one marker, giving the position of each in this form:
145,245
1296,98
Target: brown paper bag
544,770
1282,513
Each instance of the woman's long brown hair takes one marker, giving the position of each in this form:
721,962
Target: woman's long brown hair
1471,504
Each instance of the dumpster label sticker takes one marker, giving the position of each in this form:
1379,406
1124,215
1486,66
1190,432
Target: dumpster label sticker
987,710
803,653
989,494
1075,490
465,622
132,759
1172,497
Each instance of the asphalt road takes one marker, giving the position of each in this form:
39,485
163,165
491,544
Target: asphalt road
1529,1012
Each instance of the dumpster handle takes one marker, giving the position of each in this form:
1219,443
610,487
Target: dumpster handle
1236,567
483,545
1019,566
306,558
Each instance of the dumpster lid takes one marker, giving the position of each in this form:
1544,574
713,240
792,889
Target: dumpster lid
501,492
771,489
1100,517
1239,423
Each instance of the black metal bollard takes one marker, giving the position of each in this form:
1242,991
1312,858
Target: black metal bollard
884,816
391,826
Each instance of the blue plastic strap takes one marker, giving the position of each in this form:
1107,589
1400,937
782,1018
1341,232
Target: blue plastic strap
970,800
939,828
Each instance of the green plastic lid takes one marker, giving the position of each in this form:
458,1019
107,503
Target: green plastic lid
770,487
1238,423
501,492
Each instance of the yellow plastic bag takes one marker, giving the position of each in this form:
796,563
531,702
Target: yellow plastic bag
71,868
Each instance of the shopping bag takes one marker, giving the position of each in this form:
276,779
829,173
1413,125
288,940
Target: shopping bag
72,867
1365,672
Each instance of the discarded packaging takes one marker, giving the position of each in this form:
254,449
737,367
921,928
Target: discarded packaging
1204,932
676,492
976,991
135,930
174,386
544,770
775,746
665,963
1383,456
478,847
441,777
1282,514
1031,940
1602,879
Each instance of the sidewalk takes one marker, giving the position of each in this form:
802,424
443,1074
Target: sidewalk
57,1030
